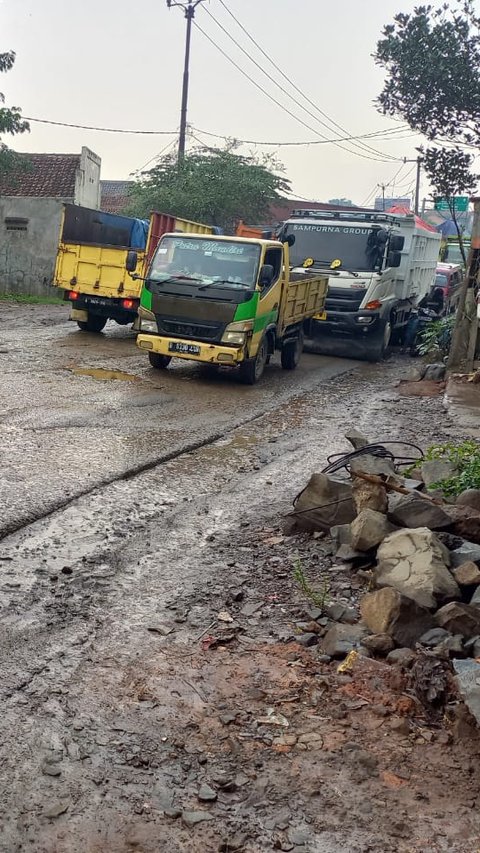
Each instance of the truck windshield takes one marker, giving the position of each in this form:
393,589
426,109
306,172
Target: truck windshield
326,243
221,263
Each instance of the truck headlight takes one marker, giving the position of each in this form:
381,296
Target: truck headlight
237,338
236,333
148,326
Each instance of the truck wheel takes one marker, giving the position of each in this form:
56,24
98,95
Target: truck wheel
376,347
291,352
159,362
95,323
252,369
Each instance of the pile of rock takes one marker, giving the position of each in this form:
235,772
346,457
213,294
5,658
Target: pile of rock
424,576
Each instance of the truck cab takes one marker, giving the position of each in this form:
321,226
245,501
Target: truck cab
226,301
379,266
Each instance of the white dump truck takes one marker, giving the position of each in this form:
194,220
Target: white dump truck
380,265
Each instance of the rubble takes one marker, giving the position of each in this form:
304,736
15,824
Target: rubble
356,439
342,639
436,470
403,657
379,643
369,495
470,498
468,680
324,502
464,553
416,511
369,529
387,611
415,563
459,618
467,574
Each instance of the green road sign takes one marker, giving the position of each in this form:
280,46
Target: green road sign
460,203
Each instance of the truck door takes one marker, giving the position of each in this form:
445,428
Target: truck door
269,301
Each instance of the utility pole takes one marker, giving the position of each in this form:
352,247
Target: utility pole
382,187
189,8
418,161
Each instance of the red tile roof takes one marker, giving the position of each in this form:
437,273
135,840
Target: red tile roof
48,175
115,196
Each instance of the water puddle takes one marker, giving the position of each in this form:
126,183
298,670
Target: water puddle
104,375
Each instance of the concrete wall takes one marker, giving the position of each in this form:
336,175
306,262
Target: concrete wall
87,182
27,257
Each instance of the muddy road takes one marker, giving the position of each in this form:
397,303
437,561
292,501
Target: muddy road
149,614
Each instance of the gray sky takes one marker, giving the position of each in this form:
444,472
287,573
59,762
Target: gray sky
119,64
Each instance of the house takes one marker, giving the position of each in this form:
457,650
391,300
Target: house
32,195
115,196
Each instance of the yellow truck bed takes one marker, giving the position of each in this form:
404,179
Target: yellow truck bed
96,269
303,296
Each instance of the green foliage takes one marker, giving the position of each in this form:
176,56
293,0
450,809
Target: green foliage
435,338
319,599
215,186
432,63
466,458
11,120
24,298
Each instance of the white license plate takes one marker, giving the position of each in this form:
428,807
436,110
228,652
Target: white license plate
186,349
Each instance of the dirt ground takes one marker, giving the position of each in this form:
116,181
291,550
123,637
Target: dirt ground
157,690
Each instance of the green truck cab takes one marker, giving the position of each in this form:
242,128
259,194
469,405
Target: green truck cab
225,301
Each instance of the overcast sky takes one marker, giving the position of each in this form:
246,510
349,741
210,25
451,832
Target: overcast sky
114,63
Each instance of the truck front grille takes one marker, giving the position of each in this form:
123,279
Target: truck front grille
342,300
206,331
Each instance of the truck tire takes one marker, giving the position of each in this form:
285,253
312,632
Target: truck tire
376,346
159,362
291,352
252,369
95,323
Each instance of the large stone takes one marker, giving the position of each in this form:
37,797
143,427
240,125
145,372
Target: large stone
369,528
379,643
433,637
468,574
436,470
468,679
367,463
402,657
470,497
417,511
342,639
415,563
341,534
464,553
356,439
369,495
324,502
459,618
434,372
465,522
386,611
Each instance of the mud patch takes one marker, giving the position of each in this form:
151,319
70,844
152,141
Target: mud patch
425,388
104,375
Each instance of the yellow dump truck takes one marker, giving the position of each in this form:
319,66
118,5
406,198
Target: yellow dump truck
226,301
90,265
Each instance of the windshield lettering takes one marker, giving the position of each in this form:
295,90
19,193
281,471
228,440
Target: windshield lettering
211,263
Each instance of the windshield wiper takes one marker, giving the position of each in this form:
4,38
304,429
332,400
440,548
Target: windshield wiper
176,278
225,281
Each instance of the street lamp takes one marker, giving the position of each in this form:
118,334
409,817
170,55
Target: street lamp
189,8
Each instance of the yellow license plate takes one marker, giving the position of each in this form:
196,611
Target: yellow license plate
322,316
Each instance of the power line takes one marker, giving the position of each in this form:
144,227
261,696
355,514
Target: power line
101,129
389,133
157,156
289,81
271,97
379,133
282,88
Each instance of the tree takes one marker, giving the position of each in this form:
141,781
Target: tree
341,202
215,186
11,120
432,63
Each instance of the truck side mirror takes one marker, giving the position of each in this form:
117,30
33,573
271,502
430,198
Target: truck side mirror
394,259
266,275
289,240
397,243
131,261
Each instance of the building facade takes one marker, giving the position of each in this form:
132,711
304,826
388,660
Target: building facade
31,202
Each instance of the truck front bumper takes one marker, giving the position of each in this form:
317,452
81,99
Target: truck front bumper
346,323
207,353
